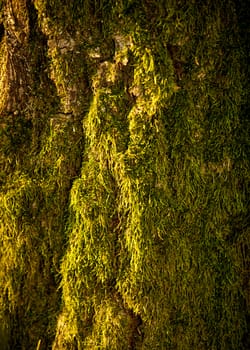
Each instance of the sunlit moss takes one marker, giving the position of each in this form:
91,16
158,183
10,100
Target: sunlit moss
124,180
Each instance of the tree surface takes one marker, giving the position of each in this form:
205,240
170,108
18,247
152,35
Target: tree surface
124,175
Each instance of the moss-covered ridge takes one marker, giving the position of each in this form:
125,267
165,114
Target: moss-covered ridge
160,248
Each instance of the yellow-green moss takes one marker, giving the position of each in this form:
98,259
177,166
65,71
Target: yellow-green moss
124,179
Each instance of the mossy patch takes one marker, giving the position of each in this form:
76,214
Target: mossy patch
125,177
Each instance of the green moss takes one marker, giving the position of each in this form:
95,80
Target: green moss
124,181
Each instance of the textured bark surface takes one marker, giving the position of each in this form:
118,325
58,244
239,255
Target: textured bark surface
124,174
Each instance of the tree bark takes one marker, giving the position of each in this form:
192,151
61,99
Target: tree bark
124,174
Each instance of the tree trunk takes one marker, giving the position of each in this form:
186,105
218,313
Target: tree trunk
124,174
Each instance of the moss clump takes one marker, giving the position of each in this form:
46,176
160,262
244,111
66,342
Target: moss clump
168,177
